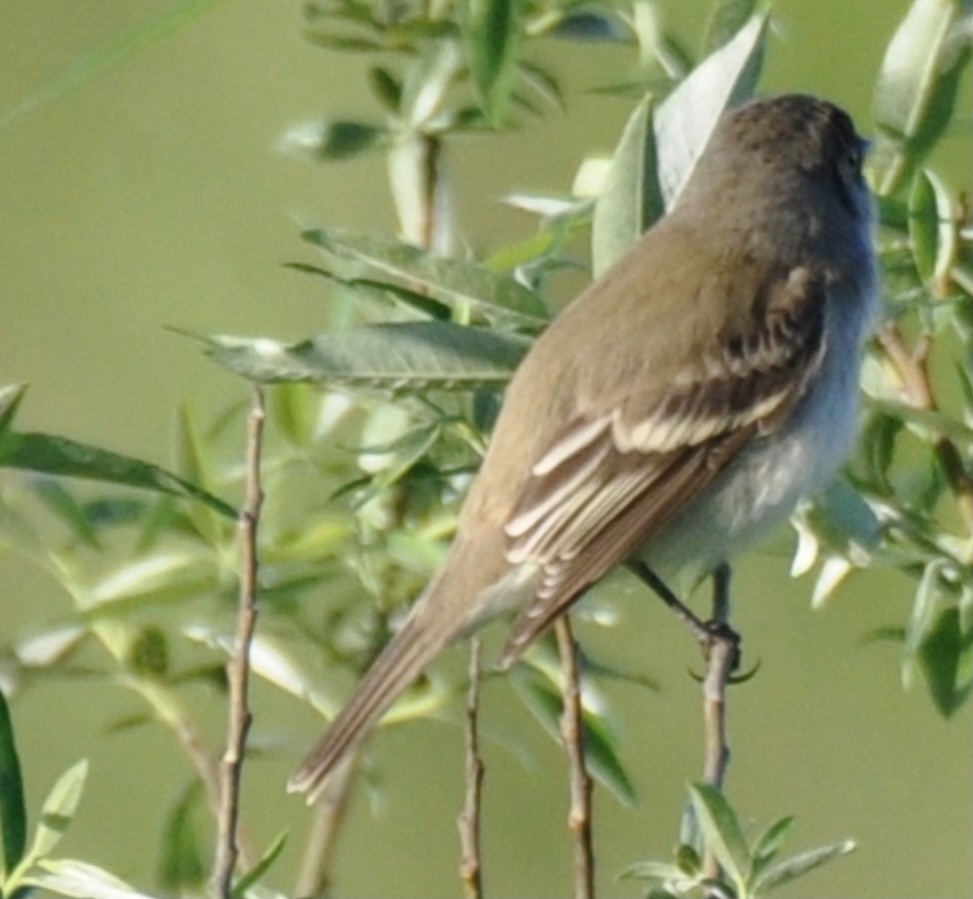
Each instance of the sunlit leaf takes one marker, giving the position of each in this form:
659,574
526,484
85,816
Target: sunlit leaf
917,87
685,121
398,356
725,20
58,810
631,199
721,831
454,282
10,397
800,865
81,880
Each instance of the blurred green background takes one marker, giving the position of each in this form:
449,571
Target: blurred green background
153,196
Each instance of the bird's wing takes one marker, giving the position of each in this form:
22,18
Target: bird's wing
612,478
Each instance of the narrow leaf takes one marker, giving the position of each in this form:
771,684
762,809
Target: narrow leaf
182,868
252,877
721,831
398,356
454,282
80,880
58,810
944,656
631,199
491,31
10,397
685,121
726,19
800,865
331,140
545,704
68,458
111,55
916,89
13,811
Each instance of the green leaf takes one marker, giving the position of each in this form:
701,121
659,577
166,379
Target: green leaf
331,140
428,81
631,199
926,607
923,225
80,880
68,458
397,356
545,704
112,54
182,866
386,88
456,283
10,397
685,121
721,832
944,657
69,511
801,864
917,86
491,32
58,811
380,291
768,844
13,811
726,19
252,877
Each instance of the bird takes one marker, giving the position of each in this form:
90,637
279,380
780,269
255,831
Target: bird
680,407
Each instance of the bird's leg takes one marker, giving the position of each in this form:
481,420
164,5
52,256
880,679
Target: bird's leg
707,633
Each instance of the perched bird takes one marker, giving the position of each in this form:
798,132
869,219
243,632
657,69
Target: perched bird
676,410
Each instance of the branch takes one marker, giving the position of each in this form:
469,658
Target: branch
722,656
238,666
468,821
314,877
913,369
572,733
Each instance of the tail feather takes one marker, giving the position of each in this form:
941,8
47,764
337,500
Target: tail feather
395,669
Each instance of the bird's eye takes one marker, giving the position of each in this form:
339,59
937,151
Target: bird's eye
856,154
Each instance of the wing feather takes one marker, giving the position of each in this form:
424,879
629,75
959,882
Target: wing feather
614,477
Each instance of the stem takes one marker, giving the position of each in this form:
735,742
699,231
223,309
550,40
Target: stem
468,821
913,369
314,877
722,656
238,666
572,733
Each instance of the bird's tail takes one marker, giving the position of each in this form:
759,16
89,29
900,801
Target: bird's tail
397,666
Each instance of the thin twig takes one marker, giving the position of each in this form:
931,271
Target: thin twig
721,648
238,667
468,820
723,654
572,733
314,877
913,369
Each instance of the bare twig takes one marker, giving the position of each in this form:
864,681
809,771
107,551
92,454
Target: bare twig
913,369
238,667
721,647
572,733
468,820
722,657
314,877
